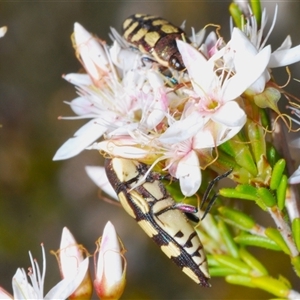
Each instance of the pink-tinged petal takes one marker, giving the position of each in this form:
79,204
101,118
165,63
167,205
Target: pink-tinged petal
230,114
183,129
91,51
110,274
5,295
199,68
285,57
253,68
78,79
295,177
115,148
84,137
189,174
68,286
3,31
98,176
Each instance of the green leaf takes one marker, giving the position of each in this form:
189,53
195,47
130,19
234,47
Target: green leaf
233,263
256,240
228,239
221,272
296,232
243,191
277,174
281,192
266,197
252,262
272,154
239,150
257,137
275,235
264,117
240,280
271,285
296,264
237,218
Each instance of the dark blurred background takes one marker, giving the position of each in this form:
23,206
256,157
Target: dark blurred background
38,196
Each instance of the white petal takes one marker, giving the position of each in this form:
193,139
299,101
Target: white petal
230,114
3,31
247,75
98,176
81,106
199,68
286,57
70,255
123,58
241,47
21,288
295,177
286,44
67,286
120,150
86,135
91,51
189,174
109,262
182,130
78,79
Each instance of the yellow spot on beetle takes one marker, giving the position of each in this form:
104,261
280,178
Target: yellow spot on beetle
159,22
171,250
148,228
168,28
126,23
189,272
126,206
130,29
139,35
151,38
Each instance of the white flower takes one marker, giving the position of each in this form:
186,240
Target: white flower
215,93
116,99
22,289
249,62
284,55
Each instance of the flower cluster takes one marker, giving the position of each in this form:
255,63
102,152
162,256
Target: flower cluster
76,283
219,113
178,118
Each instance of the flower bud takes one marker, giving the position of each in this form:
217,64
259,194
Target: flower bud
110,271
70,257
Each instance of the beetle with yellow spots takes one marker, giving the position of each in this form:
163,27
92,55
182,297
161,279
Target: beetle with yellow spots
144,197
156,36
